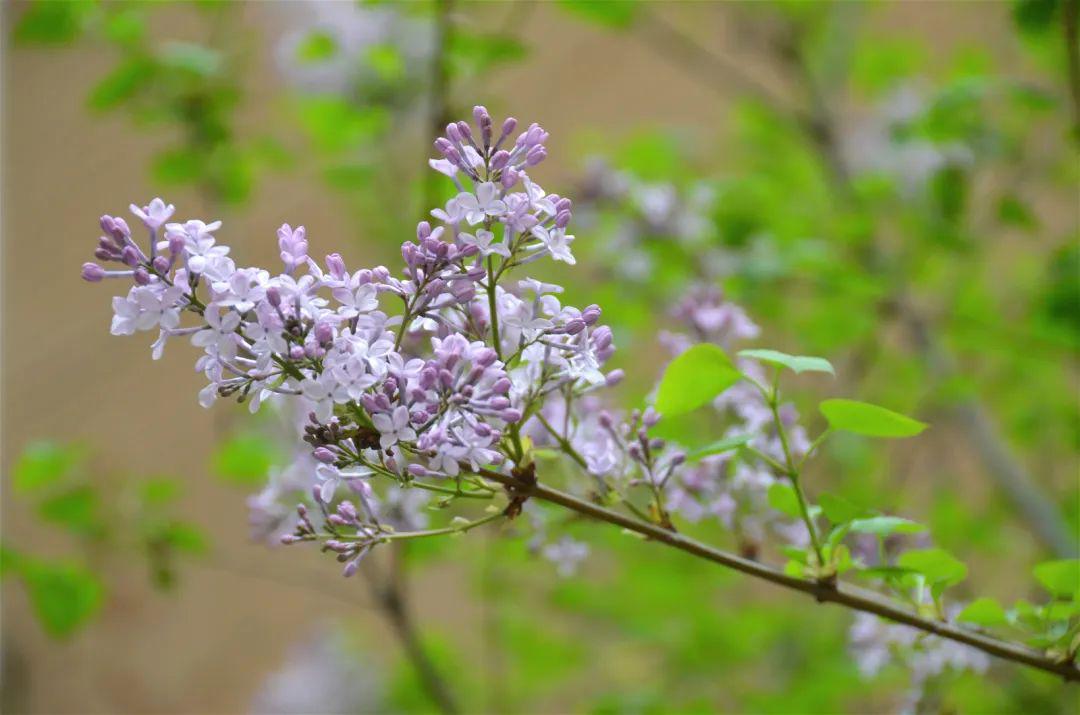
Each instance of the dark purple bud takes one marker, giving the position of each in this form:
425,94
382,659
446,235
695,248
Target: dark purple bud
453,133
591,314
499,403
563,205
562,219
510,177
605,419
296,352
614,377
502,386
142,277
651,417
574,327
465,130
176,244
161,264
423,230
273,296
290,539
104,254
92,272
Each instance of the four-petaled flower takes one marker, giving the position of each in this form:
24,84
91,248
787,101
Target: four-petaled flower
394,427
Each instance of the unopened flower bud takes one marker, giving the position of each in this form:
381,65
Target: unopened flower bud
324,332
614,377
130,256
141,276
500,159
335,265
92,272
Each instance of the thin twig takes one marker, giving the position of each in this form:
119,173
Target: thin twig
852,597
391,594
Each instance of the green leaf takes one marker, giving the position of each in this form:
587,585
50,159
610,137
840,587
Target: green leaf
185,537
159,492
318,46
121,84
885,525
725,445
474,53
386,61
76,509
1060,578
694,378
889,573
53,22
177,166
42,464
614,14
983,612
937,565
783,498
866,419
64,597
798,363
245,460
838,510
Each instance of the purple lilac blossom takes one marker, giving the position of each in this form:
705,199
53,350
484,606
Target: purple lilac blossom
424,391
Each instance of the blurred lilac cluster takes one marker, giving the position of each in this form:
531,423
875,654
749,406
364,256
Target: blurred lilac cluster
874,643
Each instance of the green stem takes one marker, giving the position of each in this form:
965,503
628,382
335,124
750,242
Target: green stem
793,471
491,306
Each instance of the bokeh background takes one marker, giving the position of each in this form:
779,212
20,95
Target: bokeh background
891,185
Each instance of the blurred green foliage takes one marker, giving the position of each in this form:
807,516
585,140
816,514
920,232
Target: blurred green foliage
96,517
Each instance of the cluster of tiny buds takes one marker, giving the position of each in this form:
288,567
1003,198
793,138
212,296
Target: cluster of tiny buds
460,148
117,246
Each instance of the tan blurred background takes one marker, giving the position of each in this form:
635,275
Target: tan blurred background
207,646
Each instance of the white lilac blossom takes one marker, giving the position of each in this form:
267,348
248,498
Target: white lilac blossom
436,392
323,673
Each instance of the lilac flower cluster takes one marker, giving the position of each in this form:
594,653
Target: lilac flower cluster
439,390
874,643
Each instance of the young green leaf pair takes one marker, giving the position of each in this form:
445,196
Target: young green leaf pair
700,374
